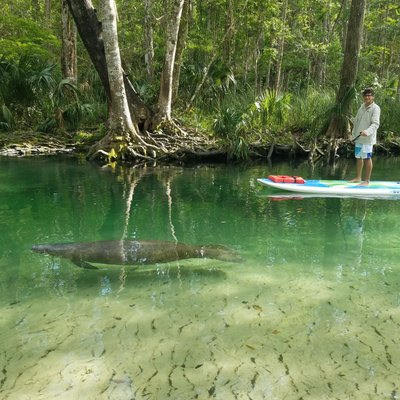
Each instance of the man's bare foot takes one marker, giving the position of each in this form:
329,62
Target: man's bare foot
364,183
355,180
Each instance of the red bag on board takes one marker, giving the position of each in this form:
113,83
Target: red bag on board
286,179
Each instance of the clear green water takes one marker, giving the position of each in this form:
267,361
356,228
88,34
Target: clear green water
311,313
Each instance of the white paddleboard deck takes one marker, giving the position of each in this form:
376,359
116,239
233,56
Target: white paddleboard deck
337,187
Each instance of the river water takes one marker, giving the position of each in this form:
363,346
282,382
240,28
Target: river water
312,311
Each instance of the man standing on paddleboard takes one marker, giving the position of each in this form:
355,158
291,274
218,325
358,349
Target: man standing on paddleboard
366,124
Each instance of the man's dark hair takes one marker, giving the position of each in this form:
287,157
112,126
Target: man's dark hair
368,91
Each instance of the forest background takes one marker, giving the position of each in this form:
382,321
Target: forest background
230,78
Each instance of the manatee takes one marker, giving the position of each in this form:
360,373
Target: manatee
133,252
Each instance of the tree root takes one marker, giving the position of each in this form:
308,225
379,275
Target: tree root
170,140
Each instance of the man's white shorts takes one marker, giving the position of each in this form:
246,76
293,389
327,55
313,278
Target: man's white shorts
363,151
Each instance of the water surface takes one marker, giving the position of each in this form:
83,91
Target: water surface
312,312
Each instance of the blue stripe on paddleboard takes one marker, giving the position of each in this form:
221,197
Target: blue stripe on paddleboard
332,183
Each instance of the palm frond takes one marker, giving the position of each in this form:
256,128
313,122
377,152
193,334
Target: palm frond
7,122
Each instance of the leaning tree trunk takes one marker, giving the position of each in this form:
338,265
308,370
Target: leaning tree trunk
89,28
166,85
338,125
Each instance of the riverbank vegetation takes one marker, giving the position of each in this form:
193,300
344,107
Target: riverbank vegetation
214,78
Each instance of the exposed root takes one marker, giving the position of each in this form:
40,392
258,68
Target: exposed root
170,140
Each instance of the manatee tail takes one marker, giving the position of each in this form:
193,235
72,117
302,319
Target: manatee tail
39,248
219,252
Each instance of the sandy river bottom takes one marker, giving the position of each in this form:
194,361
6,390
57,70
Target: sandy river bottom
203,329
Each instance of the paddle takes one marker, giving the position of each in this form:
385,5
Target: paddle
352,140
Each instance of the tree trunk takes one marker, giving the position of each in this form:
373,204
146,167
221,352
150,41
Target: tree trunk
383,44
180,47
353,44
165,96
280,47
344,6
257,56
318,66
47,9
339,121
148,40
122,133
89,29
68,48
120,119
230,27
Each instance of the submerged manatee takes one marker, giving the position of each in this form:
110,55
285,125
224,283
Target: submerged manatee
133,252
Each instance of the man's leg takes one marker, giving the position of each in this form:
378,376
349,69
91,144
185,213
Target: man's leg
359,168
368,169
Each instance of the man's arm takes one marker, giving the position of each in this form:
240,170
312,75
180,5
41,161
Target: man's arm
375,121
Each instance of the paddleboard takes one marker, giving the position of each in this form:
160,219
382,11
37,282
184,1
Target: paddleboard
336,187
280,196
